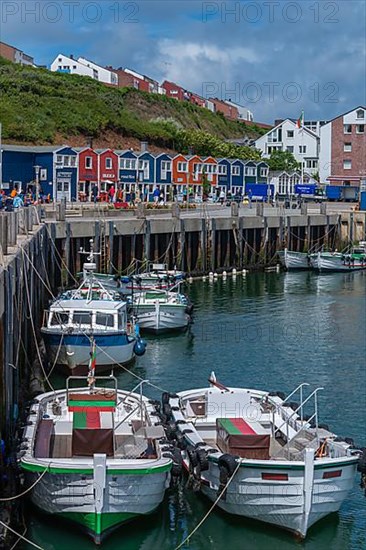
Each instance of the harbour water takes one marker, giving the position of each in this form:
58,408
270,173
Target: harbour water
267,331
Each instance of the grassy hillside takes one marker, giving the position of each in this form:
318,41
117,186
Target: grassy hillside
40,107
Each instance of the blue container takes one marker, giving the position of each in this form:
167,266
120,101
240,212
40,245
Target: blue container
363,200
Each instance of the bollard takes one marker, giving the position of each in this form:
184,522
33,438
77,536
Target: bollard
323,208
29,219
23,228
175,210
140,211
12,228
60,212
260,208
4,233
234,209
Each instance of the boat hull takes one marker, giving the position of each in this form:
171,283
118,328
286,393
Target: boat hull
324,263
72,351
280,503
161,317
127,495
294,260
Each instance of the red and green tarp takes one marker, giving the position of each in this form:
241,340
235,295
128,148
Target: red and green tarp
87,419
236,426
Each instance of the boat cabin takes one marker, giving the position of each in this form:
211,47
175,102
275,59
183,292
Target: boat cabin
95,315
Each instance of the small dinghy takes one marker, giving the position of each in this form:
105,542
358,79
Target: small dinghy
94,455
260,456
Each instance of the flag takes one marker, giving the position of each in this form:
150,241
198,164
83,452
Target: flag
300,121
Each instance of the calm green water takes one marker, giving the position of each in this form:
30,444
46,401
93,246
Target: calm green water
268,331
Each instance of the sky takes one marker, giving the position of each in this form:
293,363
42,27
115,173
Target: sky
275,57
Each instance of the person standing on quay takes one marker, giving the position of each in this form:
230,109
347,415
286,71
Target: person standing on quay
112,192
95,193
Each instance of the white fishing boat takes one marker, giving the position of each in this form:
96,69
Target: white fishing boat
91,312
160,310
293,260
158,276
93,455
354,260
259,456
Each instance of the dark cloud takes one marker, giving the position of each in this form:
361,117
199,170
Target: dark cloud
277,57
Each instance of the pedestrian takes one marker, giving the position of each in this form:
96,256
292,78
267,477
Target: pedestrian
222,197
156,195
112,193
95,193
175,193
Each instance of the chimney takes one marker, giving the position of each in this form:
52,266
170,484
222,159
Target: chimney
71,56
144,146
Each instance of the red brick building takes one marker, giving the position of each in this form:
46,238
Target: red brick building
15,55
342,158
175,91
229,111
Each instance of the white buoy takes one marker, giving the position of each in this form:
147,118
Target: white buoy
204,278
215,275
244,272
278,267
224,274
234,271
210,275
190,279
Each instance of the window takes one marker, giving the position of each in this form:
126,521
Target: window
311,163
235,170
127,164
360,129
222,169
108,163
59,319
290,148
73,161
302,149
347,128
104,319
60,59
182,167
347,147
59,159
249,171
88,162
347,164
166,165
74,67
66,161
264,172
360,113
82,317
290,133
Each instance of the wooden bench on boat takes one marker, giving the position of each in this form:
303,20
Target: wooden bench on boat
244,438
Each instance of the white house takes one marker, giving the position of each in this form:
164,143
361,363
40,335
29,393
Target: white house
100,73
64,64
301,142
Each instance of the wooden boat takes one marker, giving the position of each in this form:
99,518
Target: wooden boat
293,260
354,260
94,455
260,456
160,310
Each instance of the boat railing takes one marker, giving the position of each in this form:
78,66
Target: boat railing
139,405
293,424
299,388
291,440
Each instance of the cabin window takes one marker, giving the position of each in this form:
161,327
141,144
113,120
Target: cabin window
82,318
274,477
59,319
334,473
104,319
121,321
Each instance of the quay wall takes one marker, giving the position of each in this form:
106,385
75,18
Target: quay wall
39,254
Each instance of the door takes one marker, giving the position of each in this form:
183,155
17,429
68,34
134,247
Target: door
63,189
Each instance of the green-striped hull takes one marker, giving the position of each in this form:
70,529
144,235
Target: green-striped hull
98,526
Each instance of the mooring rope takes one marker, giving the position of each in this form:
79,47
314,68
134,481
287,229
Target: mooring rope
211,509
7,499
21,536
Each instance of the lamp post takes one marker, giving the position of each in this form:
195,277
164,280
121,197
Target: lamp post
37,170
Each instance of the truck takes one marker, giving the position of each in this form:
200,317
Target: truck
259,191
345,193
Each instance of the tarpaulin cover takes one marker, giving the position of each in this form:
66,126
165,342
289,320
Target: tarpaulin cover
43,439
89,442
236,436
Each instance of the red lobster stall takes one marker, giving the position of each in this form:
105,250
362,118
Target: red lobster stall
244,438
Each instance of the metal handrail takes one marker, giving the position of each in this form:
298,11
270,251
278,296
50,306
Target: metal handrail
299,407
295,390
295,436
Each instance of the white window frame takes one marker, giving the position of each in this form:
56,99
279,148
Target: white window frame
264,172
292,132
59,160
235,170
89,163
347,164
222,169
72,161
108,163
347,147
182,166
347,128
358,129
302,149
360,114
166,165
250,170
66,161
290,148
